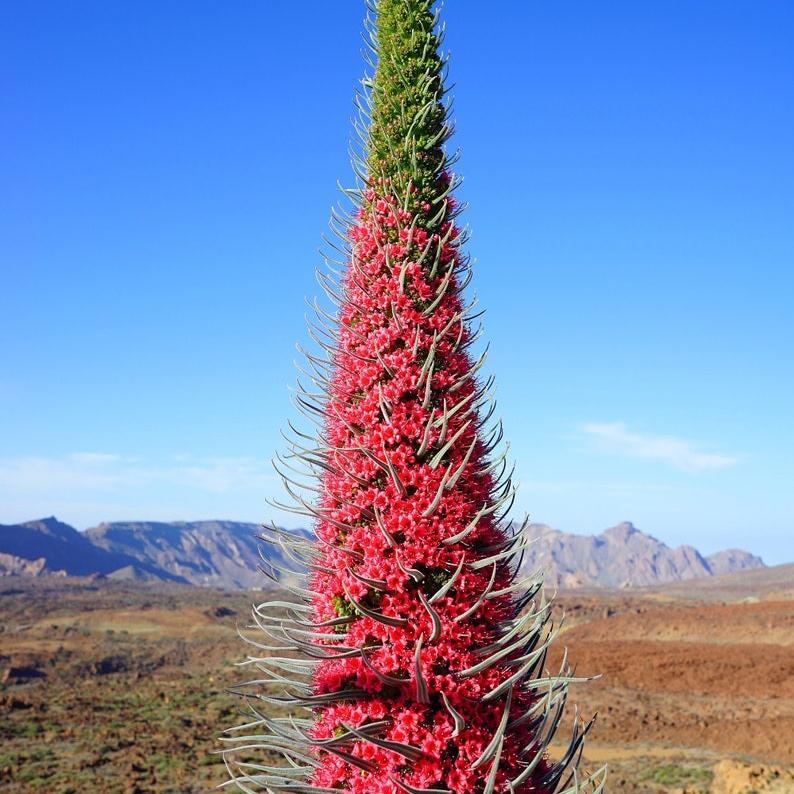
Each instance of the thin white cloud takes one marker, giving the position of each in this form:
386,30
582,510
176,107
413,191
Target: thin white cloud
92,472
47,475
220,475
615,438
94,457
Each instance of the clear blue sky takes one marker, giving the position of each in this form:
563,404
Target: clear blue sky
167,169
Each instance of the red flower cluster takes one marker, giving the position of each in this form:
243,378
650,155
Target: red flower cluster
407,579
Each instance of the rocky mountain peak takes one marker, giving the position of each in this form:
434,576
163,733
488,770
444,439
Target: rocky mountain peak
226,554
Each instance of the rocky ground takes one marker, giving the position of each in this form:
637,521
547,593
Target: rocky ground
120,687
696,687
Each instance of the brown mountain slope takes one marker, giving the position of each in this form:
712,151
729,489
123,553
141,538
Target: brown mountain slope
227,554
623,556
222,554
50,546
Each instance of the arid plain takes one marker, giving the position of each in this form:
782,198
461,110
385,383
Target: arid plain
121,687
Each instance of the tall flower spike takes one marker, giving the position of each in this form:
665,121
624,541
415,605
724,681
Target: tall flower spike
412,658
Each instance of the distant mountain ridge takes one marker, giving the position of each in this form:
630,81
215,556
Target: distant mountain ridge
50,546
623,556
209,553
226,554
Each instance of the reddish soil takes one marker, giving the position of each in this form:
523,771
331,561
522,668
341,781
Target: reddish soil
119,688
697,681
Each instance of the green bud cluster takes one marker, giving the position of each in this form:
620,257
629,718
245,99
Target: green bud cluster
407,115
